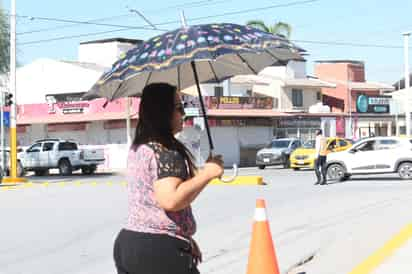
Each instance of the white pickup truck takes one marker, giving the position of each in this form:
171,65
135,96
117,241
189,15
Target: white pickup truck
62,154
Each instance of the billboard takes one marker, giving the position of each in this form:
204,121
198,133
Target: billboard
372,104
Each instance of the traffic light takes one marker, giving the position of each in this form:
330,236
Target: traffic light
8,99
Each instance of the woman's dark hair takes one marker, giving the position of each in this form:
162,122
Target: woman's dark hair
156,109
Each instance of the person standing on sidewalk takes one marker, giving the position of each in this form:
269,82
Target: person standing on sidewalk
320,158
163,182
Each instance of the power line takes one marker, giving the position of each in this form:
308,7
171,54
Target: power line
71,25
71,37
84,22
159,24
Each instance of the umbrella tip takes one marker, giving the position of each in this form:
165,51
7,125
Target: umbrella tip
183,19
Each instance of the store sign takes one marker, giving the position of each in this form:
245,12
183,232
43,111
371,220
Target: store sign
232,102
373,104
69,107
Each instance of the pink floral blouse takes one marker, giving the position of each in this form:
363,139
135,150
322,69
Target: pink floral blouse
145,165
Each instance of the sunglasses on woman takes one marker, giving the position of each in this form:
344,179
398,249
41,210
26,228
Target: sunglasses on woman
179,107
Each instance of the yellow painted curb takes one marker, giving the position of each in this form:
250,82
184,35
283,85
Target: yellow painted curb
241,180
14,180
384,252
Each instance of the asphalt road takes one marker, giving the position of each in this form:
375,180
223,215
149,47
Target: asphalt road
67,226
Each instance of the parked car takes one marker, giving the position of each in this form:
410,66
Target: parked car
277,152
372,156
304,157
62,154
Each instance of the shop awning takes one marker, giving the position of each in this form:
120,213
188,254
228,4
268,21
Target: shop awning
72,118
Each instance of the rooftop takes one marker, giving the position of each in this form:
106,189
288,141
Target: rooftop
355,62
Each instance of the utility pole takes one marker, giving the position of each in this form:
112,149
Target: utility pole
407,84
13,109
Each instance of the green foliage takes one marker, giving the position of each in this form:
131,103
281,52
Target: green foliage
279,28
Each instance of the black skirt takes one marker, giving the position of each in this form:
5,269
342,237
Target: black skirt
144,253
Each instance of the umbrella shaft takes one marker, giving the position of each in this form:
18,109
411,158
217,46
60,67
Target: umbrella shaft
202,106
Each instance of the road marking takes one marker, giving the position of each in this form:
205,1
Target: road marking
384,252
61,184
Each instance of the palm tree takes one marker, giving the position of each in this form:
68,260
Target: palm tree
4,42
279,28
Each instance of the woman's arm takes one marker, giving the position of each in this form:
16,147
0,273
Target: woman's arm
174,194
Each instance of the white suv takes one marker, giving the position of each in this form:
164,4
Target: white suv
372,156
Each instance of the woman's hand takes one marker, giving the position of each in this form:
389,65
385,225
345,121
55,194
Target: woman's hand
214,166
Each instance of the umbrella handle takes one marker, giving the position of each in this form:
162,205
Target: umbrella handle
233,177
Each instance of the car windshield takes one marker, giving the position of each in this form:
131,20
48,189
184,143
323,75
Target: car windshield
279,144
309,144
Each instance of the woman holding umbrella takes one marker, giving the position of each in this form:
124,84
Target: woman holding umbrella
163,182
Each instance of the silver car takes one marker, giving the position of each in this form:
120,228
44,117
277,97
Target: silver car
277,152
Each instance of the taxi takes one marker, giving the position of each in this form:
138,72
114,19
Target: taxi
304,157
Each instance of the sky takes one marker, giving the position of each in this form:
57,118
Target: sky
363,30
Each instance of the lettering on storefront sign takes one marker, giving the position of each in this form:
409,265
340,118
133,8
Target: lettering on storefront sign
231,102
69,107
373,104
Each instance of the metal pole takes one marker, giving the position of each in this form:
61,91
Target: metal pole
129,138
13,110
350,104
407,99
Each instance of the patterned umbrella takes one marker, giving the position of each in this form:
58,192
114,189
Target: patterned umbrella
191,55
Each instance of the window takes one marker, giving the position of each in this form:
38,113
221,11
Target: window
388,144
67,146
297,98
367,146
342,143
35,148
218,91
48,146
319,96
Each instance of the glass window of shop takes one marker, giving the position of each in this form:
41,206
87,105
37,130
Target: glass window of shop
302,128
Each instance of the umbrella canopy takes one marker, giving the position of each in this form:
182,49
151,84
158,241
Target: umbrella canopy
219,50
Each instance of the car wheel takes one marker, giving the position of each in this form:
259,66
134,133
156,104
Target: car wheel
88,170
405,171
261,167
296,168
20,169
65,168
336,172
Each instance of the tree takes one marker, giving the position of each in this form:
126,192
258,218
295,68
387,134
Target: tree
4,42
279,28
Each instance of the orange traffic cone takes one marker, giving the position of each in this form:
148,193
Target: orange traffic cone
262,256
